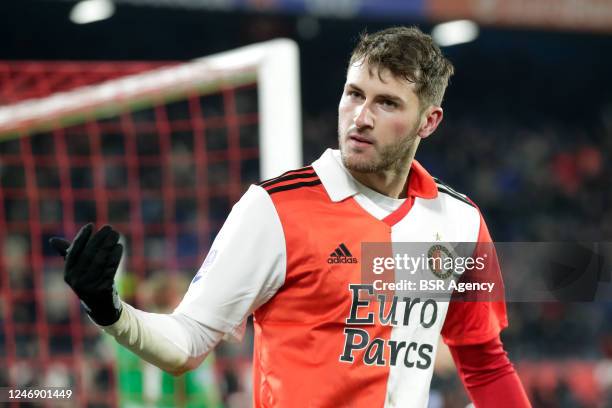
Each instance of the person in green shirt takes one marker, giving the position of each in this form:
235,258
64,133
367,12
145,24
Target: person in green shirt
141,384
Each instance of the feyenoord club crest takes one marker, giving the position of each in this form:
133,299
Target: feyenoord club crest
440,261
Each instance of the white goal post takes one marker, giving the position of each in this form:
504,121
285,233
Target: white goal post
273,65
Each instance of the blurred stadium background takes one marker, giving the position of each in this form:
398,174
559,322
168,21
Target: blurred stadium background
527,134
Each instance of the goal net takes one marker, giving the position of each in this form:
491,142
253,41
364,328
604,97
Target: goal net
159,152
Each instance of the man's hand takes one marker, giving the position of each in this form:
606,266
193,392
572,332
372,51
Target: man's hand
91,264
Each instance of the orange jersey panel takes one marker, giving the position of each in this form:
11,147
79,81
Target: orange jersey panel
299,333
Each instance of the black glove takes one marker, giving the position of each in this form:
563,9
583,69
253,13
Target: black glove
91,264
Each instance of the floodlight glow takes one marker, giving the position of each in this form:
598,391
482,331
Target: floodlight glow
454,32
88,11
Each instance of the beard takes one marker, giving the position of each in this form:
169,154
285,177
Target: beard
392,157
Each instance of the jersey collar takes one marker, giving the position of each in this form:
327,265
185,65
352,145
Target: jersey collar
340,185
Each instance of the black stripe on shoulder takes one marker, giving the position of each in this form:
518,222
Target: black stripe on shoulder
288,178
293,186
308,169
442,184
445,188
454,194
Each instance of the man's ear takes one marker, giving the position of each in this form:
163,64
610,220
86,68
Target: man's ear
430,120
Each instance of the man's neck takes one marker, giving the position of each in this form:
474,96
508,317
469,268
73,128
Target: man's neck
391,183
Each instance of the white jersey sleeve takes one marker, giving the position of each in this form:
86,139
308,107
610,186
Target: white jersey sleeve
244,268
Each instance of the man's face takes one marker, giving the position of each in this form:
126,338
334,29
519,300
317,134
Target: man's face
378,120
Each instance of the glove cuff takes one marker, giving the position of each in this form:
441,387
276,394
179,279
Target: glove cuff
105,309
103,317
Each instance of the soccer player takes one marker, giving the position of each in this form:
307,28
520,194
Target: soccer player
290,252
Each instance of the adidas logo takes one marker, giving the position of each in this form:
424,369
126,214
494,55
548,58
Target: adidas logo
341,255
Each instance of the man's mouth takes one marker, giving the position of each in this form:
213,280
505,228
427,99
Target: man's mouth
360,140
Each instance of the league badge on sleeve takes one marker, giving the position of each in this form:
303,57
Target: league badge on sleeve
210,258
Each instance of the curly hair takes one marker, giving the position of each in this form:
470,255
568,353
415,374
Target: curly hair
410,54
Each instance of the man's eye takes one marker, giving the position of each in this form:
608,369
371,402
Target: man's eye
354,94
389,103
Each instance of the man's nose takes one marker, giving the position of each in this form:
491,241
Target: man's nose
364,117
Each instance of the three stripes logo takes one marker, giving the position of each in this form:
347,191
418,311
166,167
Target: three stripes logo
341,255
291,180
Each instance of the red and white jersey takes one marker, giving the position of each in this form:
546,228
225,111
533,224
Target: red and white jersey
272,259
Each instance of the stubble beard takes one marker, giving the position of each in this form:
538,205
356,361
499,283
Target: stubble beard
392,157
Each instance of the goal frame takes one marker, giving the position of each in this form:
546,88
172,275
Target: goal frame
272,65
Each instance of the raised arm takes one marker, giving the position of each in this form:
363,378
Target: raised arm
243,270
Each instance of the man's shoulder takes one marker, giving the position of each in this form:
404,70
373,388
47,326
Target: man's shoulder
449,193
458,210
296,180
